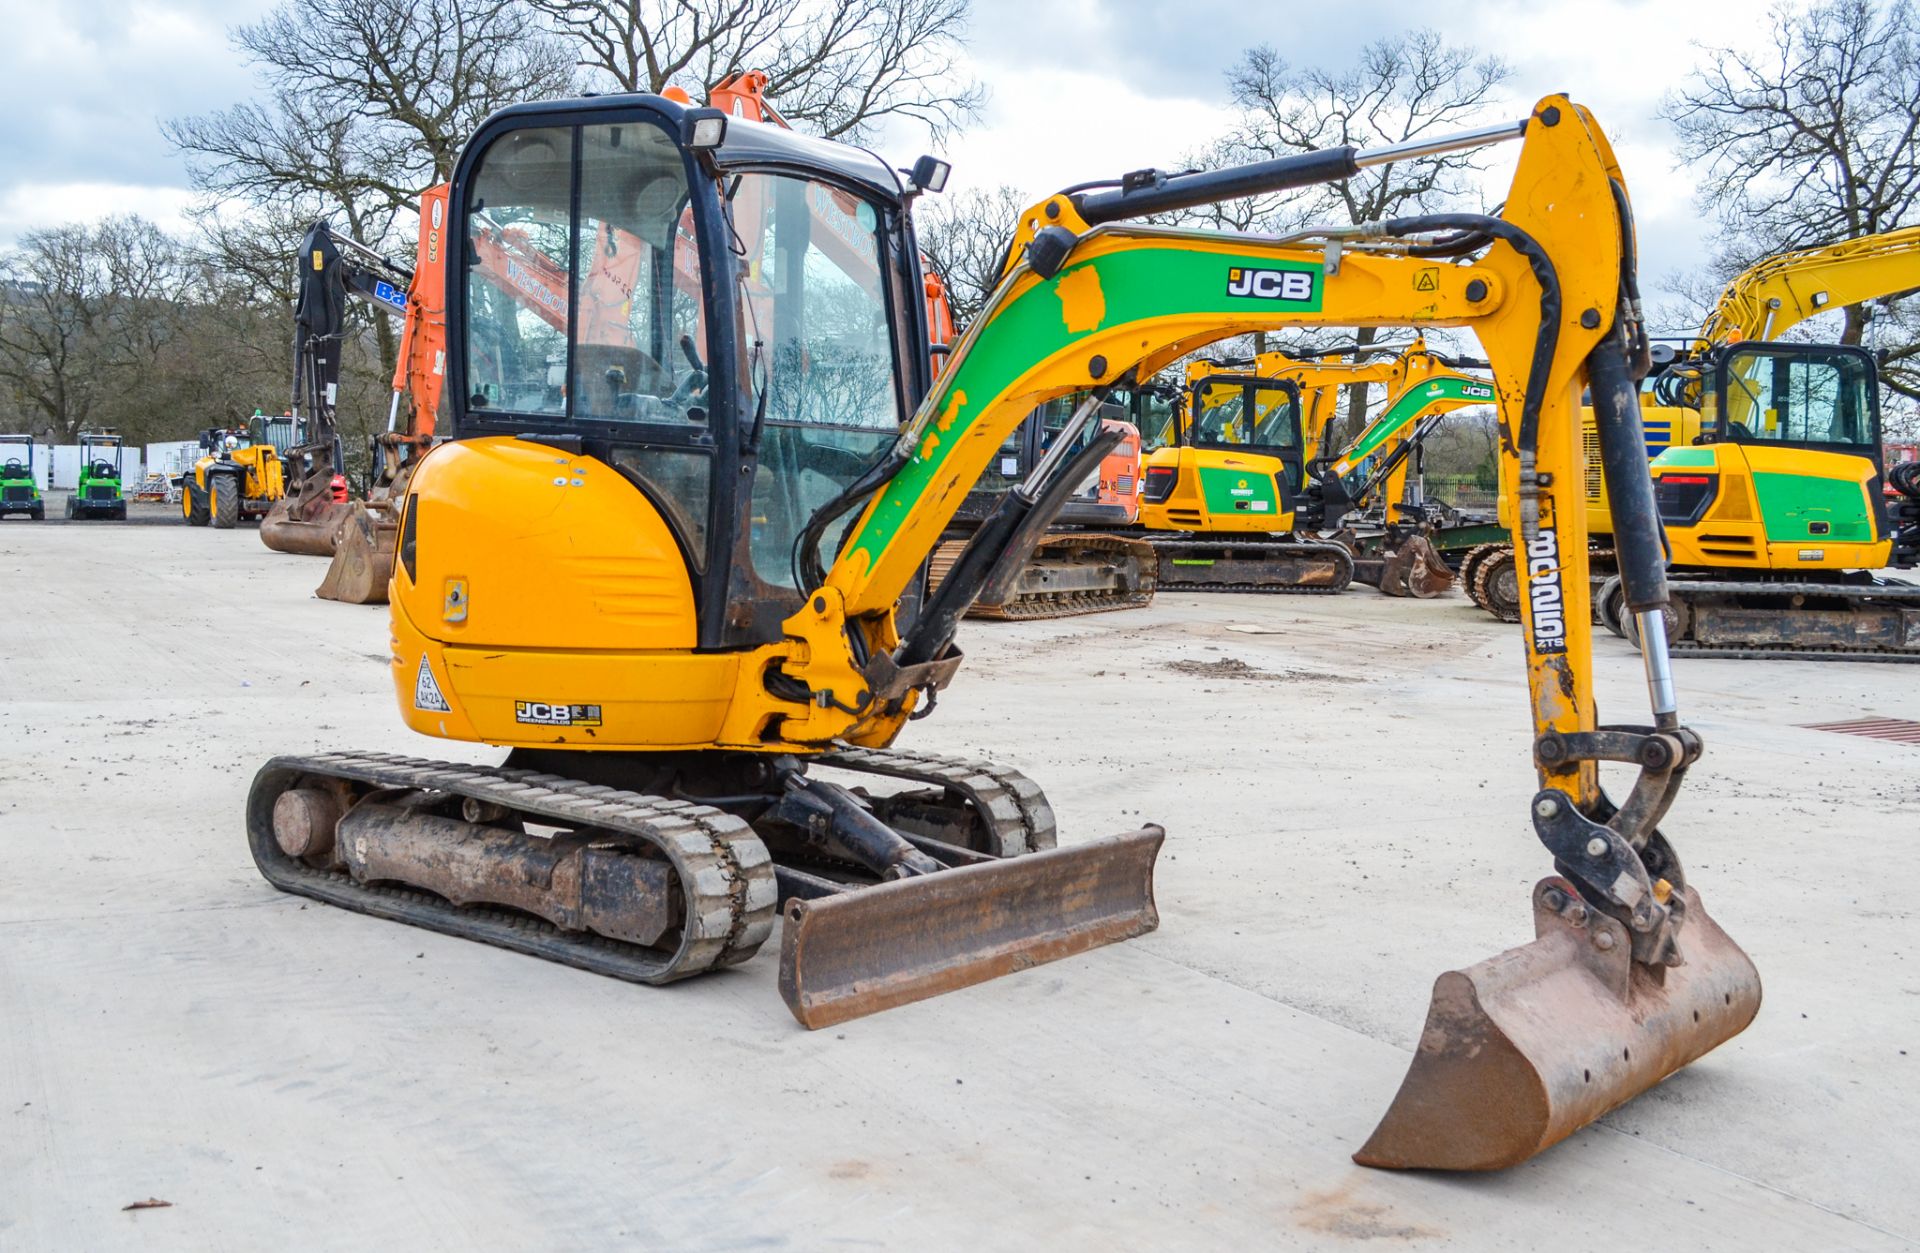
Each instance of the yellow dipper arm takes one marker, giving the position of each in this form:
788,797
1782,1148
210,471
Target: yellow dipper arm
1126,301
1785,290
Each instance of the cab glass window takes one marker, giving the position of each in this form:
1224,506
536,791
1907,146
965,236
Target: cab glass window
519,241
639,344
1235,414
1799,396
583,278
823,374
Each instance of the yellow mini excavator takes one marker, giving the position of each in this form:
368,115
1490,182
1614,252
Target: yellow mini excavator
1239,501
1774,491
685,596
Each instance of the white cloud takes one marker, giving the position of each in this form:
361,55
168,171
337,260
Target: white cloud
25,206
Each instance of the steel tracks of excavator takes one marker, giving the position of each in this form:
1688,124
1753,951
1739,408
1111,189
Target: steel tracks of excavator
325,827
1729,618
1200,563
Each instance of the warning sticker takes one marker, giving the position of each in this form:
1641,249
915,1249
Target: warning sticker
426,692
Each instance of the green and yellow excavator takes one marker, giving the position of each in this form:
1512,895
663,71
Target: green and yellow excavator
1238,500
687,599
1778,505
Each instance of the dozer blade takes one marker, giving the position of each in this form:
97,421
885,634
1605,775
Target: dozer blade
855,953
1527,1047
281,531
362,563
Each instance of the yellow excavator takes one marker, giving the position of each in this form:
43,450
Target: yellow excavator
1236,499
1767,457
685,598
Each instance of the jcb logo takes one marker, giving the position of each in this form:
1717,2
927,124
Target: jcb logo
540,713
1293,285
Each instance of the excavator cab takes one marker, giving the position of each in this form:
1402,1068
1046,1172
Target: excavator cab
1239,463
744,340
1787,481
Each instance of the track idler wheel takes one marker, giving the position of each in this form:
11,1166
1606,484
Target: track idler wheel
1674,613
1496,585
1527,1047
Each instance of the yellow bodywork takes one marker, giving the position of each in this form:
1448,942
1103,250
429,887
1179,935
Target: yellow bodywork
262,474
572,592
1186,509
1733,533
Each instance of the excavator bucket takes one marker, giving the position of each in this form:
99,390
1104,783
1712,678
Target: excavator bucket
362,563
853,953
1525,1048
1413,568
283,532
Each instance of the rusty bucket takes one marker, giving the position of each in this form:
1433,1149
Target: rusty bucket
1527,1047
362,563
1415,569
858,952
285,531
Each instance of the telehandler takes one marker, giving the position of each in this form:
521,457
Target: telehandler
238,475
683,600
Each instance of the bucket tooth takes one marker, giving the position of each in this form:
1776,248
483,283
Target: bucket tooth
1525,1048
846,955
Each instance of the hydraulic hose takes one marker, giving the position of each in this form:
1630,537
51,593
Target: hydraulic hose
1623,460
1538,370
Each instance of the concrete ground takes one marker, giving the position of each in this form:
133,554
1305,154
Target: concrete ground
1340,831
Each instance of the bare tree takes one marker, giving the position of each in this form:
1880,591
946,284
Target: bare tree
368,104
840,66
1810,139
86,313
965,237
1403,87
370,100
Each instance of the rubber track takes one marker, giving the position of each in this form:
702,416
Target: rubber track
1012,804
1341,559
1036,606
725,873
1902,593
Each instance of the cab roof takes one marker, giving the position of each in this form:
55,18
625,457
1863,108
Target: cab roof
747,144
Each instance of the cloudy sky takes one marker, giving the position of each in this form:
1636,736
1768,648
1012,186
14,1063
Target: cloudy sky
1080,88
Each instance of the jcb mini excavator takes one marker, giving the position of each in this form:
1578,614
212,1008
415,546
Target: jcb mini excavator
1236,501
1769,467
683,597
1370,495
